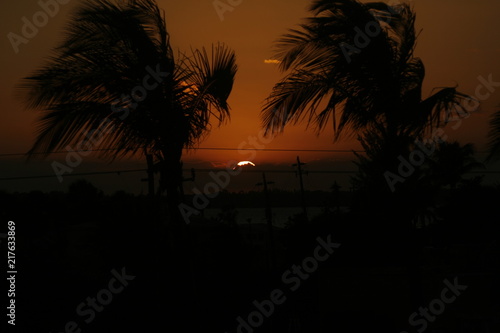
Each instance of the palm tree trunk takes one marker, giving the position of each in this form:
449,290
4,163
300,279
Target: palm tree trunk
400,202
171,182
171,175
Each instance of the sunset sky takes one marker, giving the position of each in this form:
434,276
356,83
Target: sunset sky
459,42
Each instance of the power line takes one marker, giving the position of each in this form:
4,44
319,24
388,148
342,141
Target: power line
74,174
202,148
118,172
290,150
277,171
57,152
213,148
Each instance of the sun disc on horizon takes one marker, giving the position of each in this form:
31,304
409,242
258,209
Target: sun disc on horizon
245,163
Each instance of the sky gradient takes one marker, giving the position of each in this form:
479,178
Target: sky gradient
458,43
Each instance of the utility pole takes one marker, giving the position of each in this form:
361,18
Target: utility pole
191,179
302,192
151,176
336,195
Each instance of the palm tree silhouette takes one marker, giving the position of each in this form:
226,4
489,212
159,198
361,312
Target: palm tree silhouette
354,62
114,82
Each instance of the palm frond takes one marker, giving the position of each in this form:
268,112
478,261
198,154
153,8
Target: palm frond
105,55
300,91
209,84
378,81
361,82
445,104
109,51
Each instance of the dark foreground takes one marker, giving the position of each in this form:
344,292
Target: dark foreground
93,263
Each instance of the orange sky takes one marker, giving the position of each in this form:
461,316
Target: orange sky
459,42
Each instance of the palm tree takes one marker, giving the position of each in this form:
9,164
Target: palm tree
115,76
354,62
